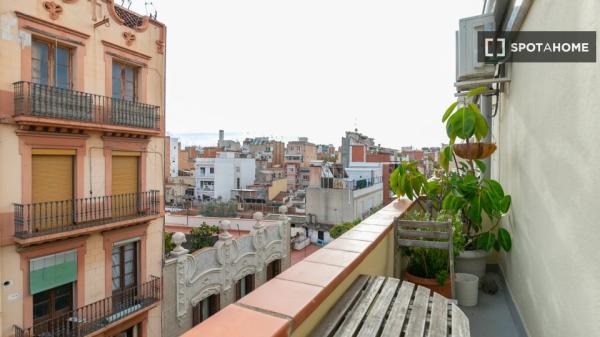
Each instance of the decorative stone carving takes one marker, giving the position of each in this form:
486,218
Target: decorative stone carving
160,46
215,270
178,239
54,9
129,38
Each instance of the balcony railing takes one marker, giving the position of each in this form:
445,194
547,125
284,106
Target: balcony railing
39,100
97,315
61,216
344,183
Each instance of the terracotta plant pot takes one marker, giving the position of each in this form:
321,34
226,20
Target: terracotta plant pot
474,150
430,283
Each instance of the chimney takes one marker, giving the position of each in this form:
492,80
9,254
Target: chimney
221,135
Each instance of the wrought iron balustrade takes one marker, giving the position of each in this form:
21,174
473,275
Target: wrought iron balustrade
97,315
65,215
44,101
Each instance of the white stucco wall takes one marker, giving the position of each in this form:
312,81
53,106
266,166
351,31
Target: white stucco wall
547,132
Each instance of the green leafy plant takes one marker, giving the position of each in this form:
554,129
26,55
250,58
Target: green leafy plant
464,120
217,208
429,262
462,191
167,242
203,236
339,229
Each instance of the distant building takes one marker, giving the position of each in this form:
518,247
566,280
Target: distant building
354,138
173,157
298,154
217,177
186,157
336,195
228,145
263,148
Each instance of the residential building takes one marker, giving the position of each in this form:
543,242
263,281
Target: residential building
209,151
173,156
180,189
263,148
298,154
199,284
217,177
266,173
337,195
187,157
82,169
228,145
354,146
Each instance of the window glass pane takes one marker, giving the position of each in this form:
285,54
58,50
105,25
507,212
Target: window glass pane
129,83
39,62
63,78
116,80
40,309
205,309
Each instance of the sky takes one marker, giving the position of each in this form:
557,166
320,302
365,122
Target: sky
312,68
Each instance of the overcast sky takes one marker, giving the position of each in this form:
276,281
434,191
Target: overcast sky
311,68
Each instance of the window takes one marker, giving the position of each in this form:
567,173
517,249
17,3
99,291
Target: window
212,170
51,64
244,286
124,266
202,171
52,303
124,81
206,308
321,235
238,183
273,269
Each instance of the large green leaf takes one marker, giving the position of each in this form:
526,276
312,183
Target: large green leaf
481,165
394,180
495,187
445,157
481,125
476,91
486,241
463,123
474,211
505,203
504,239
449,111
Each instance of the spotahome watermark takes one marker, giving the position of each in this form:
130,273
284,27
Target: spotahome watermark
536,47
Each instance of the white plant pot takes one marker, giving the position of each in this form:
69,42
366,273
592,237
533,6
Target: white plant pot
466,289
471,262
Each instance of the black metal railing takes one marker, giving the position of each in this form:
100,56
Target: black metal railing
343,183
97,315
60,216
40,100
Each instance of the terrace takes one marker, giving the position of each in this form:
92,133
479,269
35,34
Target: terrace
309,290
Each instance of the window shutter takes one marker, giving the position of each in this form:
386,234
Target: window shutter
52,271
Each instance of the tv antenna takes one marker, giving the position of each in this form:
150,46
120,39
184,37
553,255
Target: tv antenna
151,10
128,3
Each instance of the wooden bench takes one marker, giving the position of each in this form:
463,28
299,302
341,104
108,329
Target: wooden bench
380,306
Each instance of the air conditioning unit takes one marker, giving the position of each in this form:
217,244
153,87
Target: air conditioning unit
467,66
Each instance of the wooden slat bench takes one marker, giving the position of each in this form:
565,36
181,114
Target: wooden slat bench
386,307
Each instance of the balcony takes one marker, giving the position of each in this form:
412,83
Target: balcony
43,105
46,220
93,317
302,299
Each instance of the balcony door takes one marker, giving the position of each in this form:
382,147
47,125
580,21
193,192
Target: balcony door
125,270
51,308
51,64
51,191
125,184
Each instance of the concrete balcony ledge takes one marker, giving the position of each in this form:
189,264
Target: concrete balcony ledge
294,302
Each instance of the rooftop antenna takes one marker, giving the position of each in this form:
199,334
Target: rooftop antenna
355,124
151,12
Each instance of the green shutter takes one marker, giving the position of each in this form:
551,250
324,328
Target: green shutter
52,271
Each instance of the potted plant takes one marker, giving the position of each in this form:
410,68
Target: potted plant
462,191
464,121
428,267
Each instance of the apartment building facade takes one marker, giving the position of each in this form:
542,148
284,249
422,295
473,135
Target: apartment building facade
217,177
82,111
263,148
298,154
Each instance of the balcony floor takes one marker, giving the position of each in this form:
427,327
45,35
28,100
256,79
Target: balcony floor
495,315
